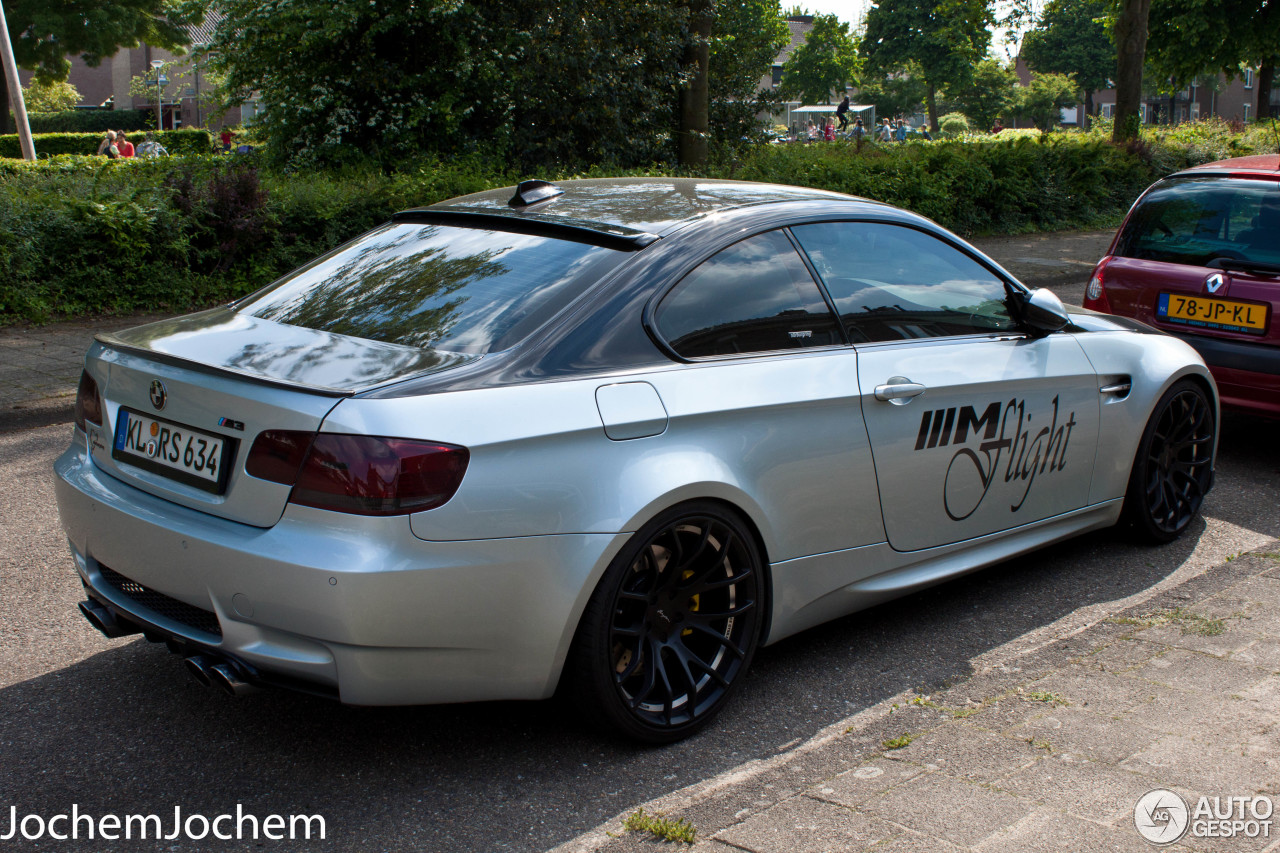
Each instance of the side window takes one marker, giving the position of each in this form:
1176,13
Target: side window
890,282
755,296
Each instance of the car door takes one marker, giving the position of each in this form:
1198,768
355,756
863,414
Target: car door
975,425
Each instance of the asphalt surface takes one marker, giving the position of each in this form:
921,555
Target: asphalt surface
116,727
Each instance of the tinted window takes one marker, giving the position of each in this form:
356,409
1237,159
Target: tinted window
890,282
754,296
1194,220
461,289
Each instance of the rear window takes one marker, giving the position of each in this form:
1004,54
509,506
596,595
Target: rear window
1196,220
439,286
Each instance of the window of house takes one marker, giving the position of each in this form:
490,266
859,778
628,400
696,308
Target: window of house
1248,78
755,296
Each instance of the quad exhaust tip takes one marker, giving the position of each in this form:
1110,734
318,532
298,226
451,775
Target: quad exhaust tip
210,671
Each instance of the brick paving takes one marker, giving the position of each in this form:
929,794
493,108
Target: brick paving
1048,751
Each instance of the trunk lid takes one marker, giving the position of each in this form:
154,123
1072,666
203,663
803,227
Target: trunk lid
184,399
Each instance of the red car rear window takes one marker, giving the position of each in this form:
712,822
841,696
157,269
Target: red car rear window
1196,220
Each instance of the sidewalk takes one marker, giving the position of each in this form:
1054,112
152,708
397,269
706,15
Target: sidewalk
40,368
40,365
1049,749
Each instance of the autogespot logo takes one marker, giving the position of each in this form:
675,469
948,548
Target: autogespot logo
1161,816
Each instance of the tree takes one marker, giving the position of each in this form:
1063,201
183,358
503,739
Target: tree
1129,33
897,94
1193,37
826,62
988,93
348,80
1071,38
945,38
50,96
544,83
745,39
1044,98
44,34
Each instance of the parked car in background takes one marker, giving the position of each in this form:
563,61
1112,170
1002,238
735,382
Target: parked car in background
1199,257
609,438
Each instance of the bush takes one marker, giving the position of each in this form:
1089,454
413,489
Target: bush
953,124
81,234
52,144
90,121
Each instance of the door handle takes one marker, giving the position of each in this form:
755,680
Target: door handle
899,390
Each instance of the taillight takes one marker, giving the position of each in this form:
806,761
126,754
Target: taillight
1095,295
359,474
88,403
277,454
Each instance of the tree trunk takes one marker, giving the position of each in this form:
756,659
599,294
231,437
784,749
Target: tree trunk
1088,110
1263,83
1131,47
6,120
695,98
932,103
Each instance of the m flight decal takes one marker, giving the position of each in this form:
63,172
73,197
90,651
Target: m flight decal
1002,430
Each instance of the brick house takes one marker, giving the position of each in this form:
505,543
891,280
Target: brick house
107,85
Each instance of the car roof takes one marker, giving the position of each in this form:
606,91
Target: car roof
1259,165
637,205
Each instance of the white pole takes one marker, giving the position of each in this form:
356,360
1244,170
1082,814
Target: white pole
15,91
157,64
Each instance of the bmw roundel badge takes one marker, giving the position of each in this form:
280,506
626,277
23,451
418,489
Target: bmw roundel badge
158,394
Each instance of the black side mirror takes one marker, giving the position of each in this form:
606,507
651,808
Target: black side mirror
1043,312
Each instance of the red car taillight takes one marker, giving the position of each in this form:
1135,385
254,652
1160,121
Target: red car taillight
1095,295
88,403
359,474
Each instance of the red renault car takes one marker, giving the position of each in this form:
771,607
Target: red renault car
1199,257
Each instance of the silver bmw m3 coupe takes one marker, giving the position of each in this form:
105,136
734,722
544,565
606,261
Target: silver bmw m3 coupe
608,437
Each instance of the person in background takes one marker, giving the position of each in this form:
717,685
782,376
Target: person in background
842,113
123,145
108,145
829,131
924,131
997,127
226,138
900,132
810,131
151,148
859,129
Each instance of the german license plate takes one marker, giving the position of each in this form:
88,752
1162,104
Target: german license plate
174,450
1205,313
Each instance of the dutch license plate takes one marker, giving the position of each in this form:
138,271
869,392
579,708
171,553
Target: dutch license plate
1213,313
171,449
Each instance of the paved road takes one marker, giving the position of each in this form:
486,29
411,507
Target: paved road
116,726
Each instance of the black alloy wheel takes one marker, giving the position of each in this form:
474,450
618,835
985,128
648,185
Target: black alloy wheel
673,625
1174,465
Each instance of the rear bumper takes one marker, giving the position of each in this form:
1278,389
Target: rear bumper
1247,374
357,607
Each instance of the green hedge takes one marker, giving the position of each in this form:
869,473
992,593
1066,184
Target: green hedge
184,141
90,121
84,235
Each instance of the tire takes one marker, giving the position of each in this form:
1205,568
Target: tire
670,631
1173,468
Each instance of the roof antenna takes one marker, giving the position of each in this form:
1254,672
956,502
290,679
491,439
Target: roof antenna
532,192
